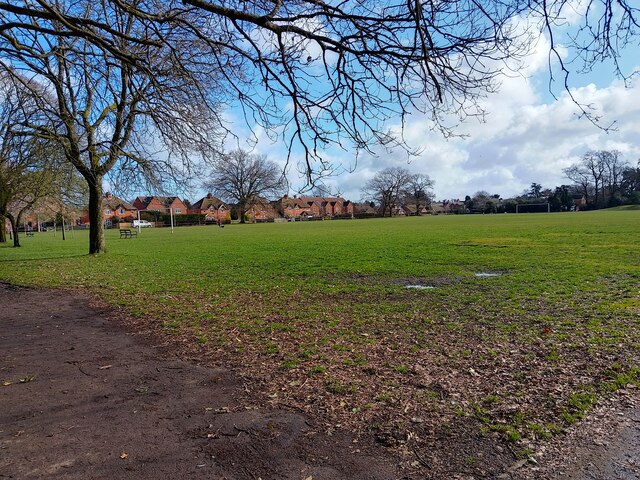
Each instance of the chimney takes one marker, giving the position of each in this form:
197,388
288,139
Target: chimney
209,195
107,195
285,196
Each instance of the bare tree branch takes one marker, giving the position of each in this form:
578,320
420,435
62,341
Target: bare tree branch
244,178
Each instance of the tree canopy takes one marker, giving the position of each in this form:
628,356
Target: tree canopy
331,72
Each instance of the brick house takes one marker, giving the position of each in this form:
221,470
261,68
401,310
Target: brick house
262,211
300,207
212,208
365,210
292,207
335,206
579,200
411,209
114,209
448,207
160,204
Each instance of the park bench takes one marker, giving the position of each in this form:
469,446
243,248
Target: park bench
128,233
29,233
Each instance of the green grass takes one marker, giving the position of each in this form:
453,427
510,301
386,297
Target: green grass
327,300
626,207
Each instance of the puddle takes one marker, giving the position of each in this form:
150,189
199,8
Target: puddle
488,274
420,287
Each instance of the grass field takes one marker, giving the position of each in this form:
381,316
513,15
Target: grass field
318,313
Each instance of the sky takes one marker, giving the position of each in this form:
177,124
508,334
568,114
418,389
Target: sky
528,136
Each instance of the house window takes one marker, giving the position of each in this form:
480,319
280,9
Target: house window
122,211
212,209
178,210
107,211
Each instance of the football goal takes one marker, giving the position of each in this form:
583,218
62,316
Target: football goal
533,207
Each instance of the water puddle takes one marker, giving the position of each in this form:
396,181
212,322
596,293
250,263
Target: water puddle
419,287
488,274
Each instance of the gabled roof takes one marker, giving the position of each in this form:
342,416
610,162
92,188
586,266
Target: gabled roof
114,202
262,203
263,206
409,208
292,202
308,202
205,203
166,201
365,208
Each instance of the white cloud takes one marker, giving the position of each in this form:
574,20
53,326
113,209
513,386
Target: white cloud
542,139
527,137
524,140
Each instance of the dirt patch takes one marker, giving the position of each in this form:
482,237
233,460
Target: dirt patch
605,446
83,396
380,280
86,394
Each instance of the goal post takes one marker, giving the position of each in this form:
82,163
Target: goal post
533,207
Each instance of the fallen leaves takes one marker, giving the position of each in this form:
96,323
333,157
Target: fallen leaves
218,410
25,379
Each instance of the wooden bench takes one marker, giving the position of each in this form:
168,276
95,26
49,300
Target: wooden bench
128,233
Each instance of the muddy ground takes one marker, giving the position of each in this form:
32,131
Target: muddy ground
86,395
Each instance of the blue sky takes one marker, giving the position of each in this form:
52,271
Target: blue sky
527,137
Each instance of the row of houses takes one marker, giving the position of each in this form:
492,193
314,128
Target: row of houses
297,207
118,210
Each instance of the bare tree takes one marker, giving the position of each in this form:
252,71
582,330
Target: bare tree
108,114
593,162
581,179
483,202
419,190
630,183
33,177
599,172
29,166
243,178
615,165
386,187
313,72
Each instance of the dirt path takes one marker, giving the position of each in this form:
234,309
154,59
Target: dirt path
605,446
88,399
82,396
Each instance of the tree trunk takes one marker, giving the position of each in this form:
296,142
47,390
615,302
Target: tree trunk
3,232
96,227
243,212
14,228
